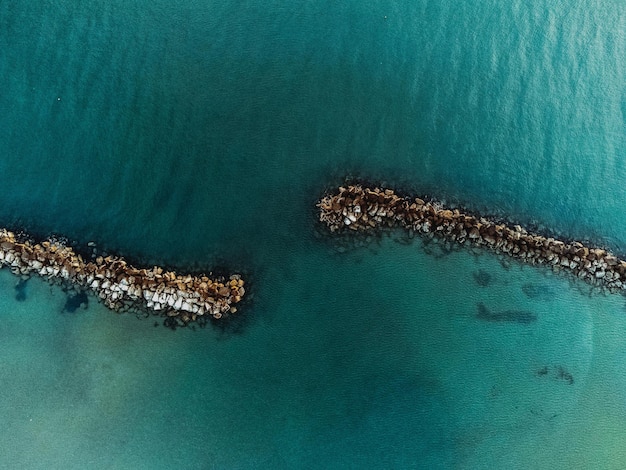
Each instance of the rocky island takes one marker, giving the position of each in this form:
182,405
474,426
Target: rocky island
358,208
122,286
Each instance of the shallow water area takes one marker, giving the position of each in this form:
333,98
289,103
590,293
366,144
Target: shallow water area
417,364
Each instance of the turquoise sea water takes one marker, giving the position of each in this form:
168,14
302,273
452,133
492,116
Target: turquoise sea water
200,134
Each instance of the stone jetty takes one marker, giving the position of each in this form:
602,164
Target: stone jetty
358,208
122,286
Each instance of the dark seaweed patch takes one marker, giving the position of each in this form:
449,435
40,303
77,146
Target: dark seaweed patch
558,373
482,278
539,292
514,316
563,374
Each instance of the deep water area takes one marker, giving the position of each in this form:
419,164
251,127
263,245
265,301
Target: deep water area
199,135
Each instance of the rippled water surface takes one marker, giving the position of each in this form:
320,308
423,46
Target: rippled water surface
199,134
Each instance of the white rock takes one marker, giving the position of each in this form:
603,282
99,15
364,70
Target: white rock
347,221
134,292
178,304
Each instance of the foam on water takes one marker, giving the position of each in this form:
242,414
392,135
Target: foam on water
198,135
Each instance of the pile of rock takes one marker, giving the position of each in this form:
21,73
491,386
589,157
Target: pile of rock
122,286
358,208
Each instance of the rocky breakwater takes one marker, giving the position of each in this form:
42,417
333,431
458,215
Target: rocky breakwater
122,286
359,208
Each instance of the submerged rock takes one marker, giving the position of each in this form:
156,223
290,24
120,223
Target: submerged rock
20,290
74,302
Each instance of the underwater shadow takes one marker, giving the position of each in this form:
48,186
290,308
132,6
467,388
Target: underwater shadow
522,317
